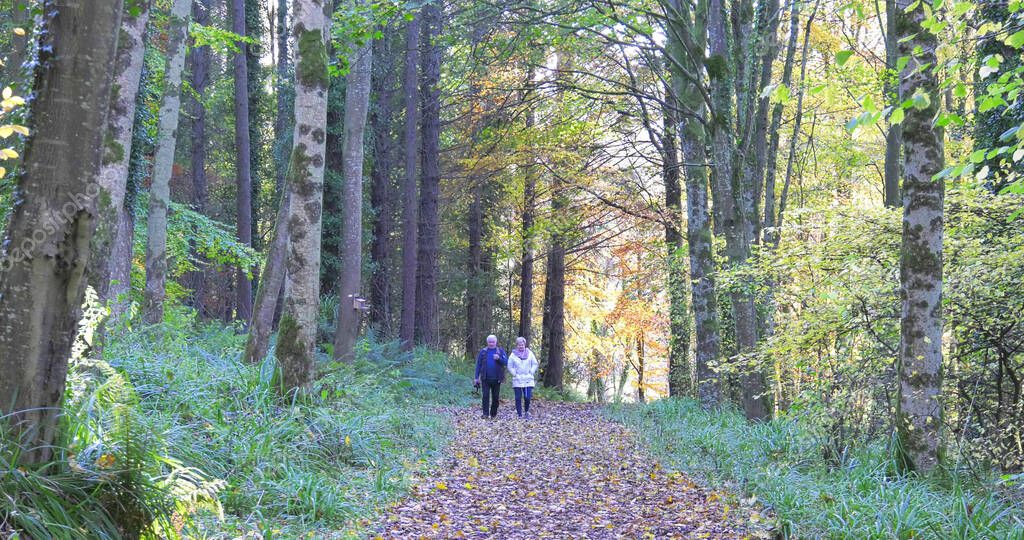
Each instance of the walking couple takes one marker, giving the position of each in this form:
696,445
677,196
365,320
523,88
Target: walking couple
491,364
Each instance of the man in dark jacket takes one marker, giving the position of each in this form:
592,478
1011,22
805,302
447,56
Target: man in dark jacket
490,373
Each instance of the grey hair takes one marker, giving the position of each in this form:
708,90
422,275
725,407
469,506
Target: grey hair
492,336
521,338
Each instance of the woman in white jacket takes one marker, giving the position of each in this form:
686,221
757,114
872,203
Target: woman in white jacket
523,365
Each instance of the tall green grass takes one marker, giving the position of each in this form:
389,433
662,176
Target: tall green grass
782,464
212,430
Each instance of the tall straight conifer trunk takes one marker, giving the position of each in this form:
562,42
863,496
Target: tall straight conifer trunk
428,308
382,116
919,408
297,336
357,103
243,160
160,189
410,196
46,245
199,65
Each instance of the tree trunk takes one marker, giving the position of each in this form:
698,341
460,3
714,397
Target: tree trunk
553,336
113,175
271,284
526,257
410,243
679,378
357,102
46,246
255,83
693,29
199,63
160,189
284,94
382,118
553,324
769,221
243,161
734,197
296,340
919,408
894,136
427,301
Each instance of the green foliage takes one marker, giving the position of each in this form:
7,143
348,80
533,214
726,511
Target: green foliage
110,476
214,242
780,464
322,463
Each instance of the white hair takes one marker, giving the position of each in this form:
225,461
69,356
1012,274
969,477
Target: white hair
520,338
492,336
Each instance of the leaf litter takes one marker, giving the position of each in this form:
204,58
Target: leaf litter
567,473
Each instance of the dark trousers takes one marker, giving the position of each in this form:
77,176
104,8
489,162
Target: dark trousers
523,397
490,393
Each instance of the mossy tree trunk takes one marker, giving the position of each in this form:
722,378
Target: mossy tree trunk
113,176
46,246
734,198
297,336
160,188
919,407
687,33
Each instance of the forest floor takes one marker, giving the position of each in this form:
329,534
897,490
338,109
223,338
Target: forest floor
568,472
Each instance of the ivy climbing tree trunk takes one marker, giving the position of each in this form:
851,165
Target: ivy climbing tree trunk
357,102
46,246
160,189
427,300
687,33
410,210
919,407
733,197
113,176
297,336
679,378
243,160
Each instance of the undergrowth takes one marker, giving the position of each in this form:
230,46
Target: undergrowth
218,454
782,465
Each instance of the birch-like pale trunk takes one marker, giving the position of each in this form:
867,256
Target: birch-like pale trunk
919,406
46,246
163,163
296,342
113,177
357,103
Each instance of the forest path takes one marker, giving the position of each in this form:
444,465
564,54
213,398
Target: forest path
566,473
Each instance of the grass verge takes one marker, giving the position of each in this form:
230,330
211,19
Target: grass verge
780,462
